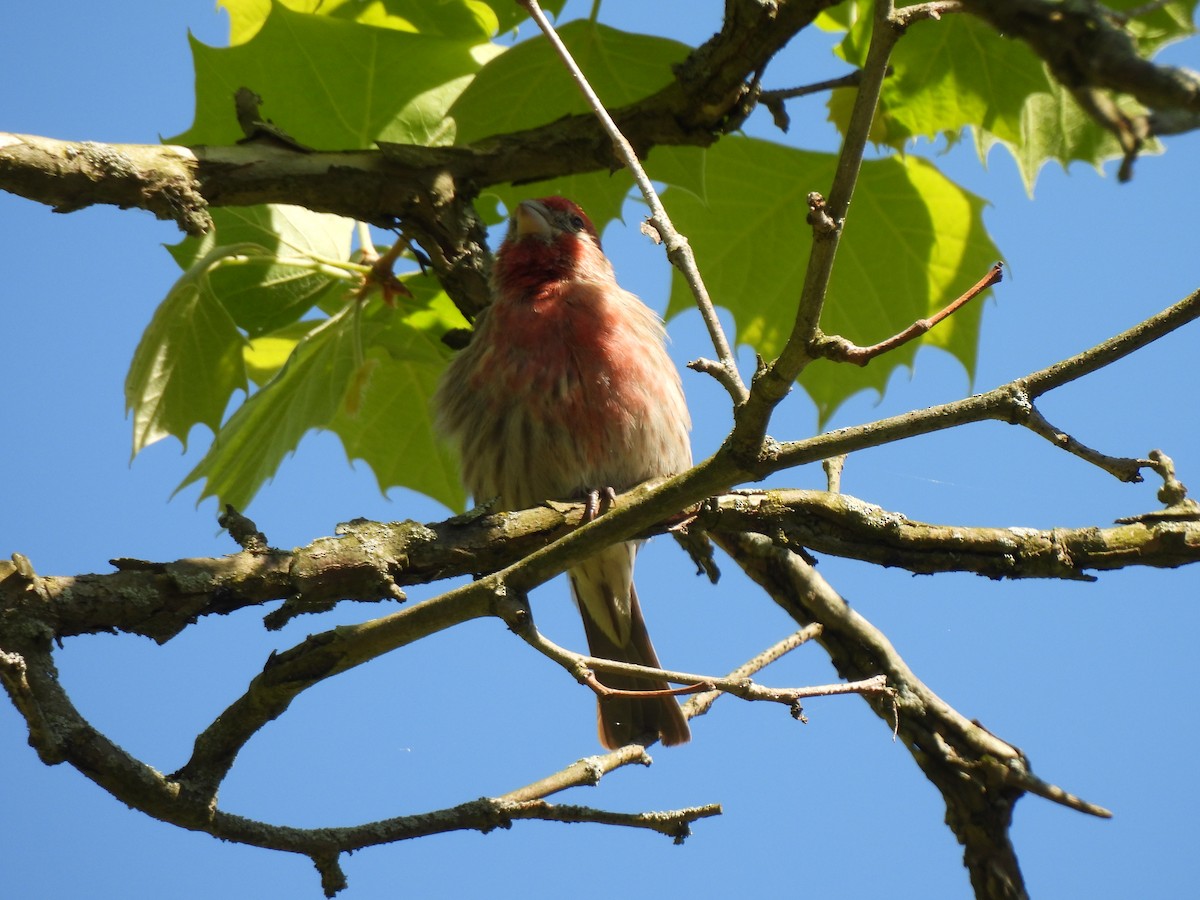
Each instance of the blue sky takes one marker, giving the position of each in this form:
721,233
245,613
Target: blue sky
1086,678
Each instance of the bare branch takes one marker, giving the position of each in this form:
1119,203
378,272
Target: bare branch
843,526
589,771
1007,403
1125,469
773,100
582,667
979,775
839,348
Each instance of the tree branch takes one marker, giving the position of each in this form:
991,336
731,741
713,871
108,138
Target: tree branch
430,188
1011,402
979,775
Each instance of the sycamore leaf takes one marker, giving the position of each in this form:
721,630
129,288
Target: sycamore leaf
305,394
1155,25
913,242
511,14
266,292
187,364
334,84
286,230
264,356
389,424
527,86
680,167
446,18
957,73
368,375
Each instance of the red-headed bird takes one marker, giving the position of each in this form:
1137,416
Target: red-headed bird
566,388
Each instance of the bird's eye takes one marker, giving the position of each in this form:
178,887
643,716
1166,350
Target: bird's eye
576,223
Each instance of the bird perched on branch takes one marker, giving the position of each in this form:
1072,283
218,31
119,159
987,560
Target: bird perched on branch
565,389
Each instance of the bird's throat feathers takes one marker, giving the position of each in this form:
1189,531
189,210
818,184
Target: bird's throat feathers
533,266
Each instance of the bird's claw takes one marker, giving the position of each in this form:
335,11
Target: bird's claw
597,502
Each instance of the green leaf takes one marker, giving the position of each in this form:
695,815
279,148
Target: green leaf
680,167
1156,26
446,18
957,73
1054,127
334,84
367,374
264,356
390,424
511,14
305,394
913,242
269,292
187,364
527,86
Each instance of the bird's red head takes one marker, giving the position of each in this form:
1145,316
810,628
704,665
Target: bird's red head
549,240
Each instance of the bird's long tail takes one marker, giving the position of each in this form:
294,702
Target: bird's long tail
623,720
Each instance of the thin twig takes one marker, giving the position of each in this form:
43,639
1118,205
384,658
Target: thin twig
827,218
603,690
850,79
1005,403
1124,468
678,249
907,15
773,100
701,703
838,348
582,668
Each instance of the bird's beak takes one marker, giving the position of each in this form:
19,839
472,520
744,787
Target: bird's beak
531,218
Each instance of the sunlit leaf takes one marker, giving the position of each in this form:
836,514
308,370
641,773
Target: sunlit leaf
528,86
957,73
913,242
445,18
187,364
305,394
264,356
268,292
390,425
366,374
334,84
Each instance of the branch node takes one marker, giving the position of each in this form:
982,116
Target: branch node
1173,494
20,568
333,879
725,373
243,531
833,466
695,542
1173,490
818,216
246,105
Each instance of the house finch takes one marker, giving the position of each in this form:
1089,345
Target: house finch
566,388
